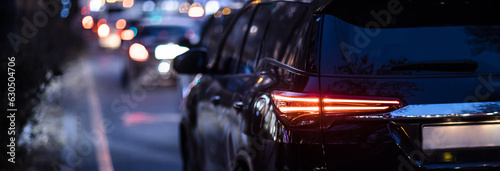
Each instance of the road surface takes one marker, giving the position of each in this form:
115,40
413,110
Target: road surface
95,124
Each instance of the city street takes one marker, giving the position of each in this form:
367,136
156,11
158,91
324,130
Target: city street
250,85
95,124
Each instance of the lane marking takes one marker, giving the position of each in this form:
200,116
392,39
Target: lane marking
103,155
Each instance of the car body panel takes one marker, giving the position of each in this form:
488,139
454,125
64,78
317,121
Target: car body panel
254,132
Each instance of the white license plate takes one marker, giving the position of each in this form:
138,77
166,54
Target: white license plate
460,136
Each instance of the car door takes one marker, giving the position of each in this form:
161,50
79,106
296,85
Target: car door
240,88
214,111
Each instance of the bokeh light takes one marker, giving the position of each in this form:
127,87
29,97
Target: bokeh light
87,22
127,34
103,31
189,34
135,30
164,67
211,7
138,52
121,23
226,11
170,5
218,14
196,10
101,22
184,7
85,10
148,6
111,42
95,5
128,3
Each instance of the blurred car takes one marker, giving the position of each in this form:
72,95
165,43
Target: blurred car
347,85
157,42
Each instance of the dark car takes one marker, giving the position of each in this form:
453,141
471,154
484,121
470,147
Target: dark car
347,85
157,42
211,35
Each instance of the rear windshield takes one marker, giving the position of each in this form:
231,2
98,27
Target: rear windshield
163,32
421,37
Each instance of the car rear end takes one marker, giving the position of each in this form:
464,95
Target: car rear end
156,45
410,85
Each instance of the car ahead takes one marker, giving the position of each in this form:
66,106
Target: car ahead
347,85
158,41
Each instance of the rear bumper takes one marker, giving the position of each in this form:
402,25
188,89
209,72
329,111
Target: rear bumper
394,142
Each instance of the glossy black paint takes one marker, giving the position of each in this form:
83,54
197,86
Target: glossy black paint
230,121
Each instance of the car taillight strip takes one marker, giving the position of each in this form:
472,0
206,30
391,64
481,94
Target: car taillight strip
298,109
303,103
328,108
296,99
328,100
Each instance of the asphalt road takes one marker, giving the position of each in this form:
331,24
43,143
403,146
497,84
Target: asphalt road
106,127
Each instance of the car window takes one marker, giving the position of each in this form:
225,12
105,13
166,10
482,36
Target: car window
254,38
414,13
213,35
419,48
289,38
228,58
208,32
163,31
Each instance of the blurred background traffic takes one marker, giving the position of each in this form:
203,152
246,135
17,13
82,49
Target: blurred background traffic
95,88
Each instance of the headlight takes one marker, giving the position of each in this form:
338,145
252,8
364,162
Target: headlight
169,51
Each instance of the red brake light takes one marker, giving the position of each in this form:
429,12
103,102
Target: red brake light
352,105
298,109
288,102
138,52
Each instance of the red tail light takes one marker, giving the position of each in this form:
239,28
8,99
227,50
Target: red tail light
356,105
299,109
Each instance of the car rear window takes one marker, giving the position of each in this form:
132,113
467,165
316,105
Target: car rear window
163,31
410,38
